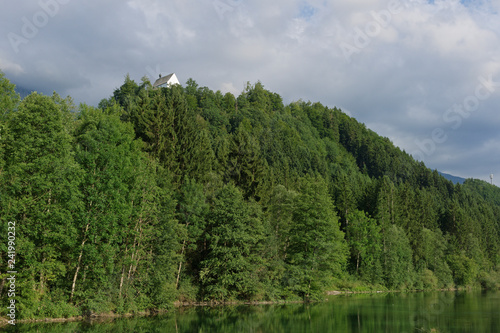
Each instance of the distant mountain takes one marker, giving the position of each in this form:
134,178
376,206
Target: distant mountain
454,179
489,192
23,92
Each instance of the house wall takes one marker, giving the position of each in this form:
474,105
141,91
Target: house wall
173,80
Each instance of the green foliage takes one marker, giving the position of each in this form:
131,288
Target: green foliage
9,99
464,269
234,231
105,151
397,262
482,188
192,210
429,280
186,194
316,250
245,164
173,133
40,193
434,257
490,280
364,239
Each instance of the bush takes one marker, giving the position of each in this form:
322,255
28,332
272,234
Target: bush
59,309
464,269
490,280
187,290
99,303
429,280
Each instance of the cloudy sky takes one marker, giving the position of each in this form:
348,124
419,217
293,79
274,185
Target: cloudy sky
425,74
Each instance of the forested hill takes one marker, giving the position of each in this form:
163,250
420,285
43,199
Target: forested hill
454,179
186,194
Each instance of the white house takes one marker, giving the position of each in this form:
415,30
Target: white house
166,81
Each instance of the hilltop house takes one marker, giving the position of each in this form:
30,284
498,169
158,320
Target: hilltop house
166,81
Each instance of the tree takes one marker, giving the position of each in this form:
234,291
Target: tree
280,208
364,238
434,247
345,196
245,163
398,266
386,201
160,276
174,133
191,212
121,205
43,198
464,269
233,234
317,250
126,95
9,101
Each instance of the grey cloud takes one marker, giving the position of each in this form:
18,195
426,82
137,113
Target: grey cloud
413,68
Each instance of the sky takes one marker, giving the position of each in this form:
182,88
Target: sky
425,74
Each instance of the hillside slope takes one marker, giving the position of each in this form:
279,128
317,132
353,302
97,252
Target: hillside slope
188,194
454,179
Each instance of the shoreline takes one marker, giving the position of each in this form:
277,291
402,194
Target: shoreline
350,292
109,316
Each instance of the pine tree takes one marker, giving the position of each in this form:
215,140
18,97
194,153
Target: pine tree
245,163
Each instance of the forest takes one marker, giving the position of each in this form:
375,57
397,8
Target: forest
158,197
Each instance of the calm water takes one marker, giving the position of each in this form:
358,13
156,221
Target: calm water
413,312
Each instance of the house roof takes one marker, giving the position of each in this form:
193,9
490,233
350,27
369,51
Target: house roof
164,79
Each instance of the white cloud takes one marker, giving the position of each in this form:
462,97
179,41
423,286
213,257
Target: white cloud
11,67
415,65
229,87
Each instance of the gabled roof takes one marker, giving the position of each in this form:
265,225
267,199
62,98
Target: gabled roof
169,79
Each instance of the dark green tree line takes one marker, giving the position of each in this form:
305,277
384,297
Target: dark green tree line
186,194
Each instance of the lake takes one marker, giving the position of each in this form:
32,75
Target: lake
392,312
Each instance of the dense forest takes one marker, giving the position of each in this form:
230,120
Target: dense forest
183,194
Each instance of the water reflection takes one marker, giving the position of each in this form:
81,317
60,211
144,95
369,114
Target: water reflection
394,312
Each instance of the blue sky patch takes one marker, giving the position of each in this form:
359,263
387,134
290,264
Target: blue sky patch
306,11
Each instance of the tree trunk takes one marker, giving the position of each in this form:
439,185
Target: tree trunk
135,254
357,263
180,265
41,281
73,286
121,282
